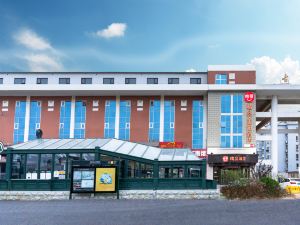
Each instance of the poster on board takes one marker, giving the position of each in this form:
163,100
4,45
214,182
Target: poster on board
83,179
106,179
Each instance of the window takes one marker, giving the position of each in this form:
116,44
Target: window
124,126
169,121
80,119
195,81
64,80
32,166
173,80
45,166
297,157
221,79
65,119
1,80
130,80
165,172
41,80
297,165
231,121
20,81
108,81
146,171
18,166
86,80
19,121
60,166
133,169
35,118
110,119
194,172
152,80
197,132
154,120
178,172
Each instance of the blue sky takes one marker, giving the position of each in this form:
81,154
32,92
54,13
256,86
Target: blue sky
148,35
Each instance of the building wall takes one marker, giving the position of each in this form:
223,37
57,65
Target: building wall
241,77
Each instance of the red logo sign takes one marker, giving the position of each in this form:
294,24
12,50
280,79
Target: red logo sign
225,158
249,97
171,144
201,153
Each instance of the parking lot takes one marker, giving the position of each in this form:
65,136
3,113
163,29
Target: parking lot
150,212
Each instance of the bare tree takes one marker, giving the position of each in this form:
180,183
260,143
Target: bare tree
261,170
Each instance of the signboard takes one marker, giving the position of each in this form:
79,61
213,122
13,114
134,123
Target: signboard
106,179
229,159
1,147
249,97
201,153
171,144
83,179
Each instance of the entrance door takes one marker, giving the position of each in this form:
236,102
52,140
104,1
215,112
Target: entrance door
226,175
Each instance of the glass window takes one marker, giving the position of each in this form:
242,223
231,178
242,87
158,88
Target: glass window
225,104
237,103
154,120
71,158
45,166
237,141
152,80
18,166
80,119
146,171
88,156
109,119
169,120
19,125
35,119
195,80
41,80
86,80
225,141
2,170
124,126
165,172
130,80
60,166
65,119
133,169
178,172
20,81
225,125
237,124
197,132
1,80
108,160
173,80
194,172
221,79
64,80
32,166
108,80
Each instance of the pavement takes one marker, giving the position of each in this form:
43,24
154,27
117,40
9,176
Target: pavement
150,212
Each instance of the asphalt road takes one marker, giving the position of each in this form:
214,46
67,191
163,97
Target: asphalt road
150,212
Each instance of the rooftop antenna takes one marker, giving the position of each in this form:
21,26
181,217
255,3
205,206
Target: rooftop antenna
285,79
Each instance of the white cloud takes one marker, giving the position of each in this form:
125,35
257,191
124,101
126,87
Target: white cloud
31,40
270,71
43,63
113,30
37,53
191,70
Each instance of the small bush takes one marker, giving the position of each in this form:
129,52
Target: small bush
272,187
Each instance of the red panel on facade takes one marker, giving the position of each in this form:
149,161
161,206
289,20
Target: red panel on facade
241,77
7,119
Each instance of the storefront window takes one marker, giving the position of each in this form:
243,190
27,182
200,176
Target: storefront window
88,156
133,169
45,166
32,166
72,157
18,166
146,171
108,160
165,172
60,166
194,172
178,172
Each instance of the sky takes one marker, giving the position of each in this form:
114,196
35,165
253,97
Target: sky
151,35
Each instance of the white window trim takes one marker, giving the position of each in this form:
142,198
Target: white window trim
16,126
61,125
106,125
127,125
82,125
63,103
150,124
172,124
17,103
37,126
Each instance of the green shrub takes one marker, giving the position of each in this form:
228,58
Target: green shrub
272,187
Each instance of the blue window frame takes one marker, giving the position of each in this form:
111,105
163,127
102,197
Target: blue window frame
110,119
65,119
221,79
231,121
124,126
19,121
169,120
197,133
80,119
154,120
35,119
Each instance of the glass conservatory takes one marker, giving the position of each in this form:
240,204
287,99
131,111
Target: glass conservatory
46,164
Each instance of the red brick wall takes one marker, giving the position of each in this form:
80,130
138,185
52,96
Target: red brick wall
241,77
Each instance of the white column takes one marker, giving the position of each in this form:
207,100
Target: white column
274,133
72,120
162,118
27,119
117,122
204,102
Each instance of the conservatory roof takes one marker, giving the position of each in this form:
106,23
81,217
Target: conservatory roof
111,145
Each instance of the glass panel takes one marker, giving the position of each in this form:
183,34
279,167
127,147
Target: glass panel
197,133
45,166
165,172
19,125
88,156
154,120
124,127
60,166
225,104
133,169
80,119
108,160
65,119
178,172
146,171
18,166
194,171
237,103
109,120
32,166
35,118
72,157
169,120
